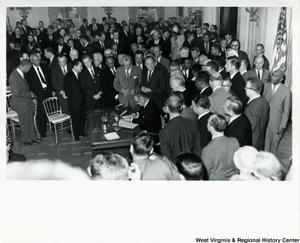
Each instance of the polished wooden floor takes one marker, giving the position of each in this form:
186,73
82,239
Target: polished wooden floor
78,153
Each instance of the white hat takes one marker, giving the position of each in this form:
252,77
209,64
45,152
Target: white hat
244,158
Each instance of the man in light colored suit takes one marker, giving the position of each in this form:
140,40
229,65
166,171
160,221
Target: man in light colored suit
258,71
219,96
127,82
279,98
21,101
257,111
217,156
164,61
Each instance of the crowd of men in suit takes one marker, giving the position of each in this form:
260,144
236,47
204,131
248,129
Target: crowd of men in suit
212,99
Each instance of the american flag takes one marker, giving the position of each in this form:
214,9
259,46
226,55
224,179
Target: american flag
279,53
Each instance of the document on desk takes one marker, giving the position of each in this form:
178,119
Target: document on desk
127,124
111,136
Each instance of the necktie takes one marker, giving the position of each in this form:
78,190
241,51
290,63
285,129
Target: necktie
258,74
95,27
64,71
149,76
113,71
41,76
273,89
102,45
93,74
50,37
206,48
127,74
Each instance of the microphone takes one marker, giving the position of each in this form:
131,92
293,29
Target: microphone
117,106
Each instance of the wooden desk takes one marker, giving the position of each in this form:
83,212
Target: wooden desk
97,140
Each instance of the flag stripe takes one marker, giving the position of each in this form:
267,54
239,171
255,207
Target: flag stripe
280,48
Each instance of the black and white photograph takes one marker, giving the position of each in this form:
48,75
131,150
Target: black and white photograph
104,105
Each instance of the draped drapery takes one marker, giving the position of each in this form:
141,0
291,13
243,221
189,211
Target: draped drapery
53,13
289,60
82,11
133,12
160,12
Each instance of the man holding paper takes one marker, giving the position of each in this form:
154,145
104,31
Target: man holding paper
127,82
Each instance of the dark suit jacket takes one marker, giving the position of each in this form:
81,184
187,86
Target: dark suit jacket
243,55
223,73
57,77
83,50
207,91
149,118
43,32
73,90
238,87
50,43
181,134
190,85
121,46
14,57
53,63
166,47
26,29
240,129
187,44
133,38
83,29
257,112
157,84
197,41
35,85
90,86
166,62
187,97
204,133
65,50
202,49
97,47
94,32
109,92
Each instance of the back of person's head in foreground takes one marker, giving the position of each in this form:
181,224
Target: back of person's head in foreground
190,166
107,166
142,145
267,167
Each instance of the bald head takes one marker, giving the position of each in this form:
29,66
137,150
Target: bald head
277,77
215,80
174,103
259,62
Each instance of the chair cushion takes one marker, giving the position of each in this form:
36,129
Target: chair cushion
15,119
10,114
58,118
